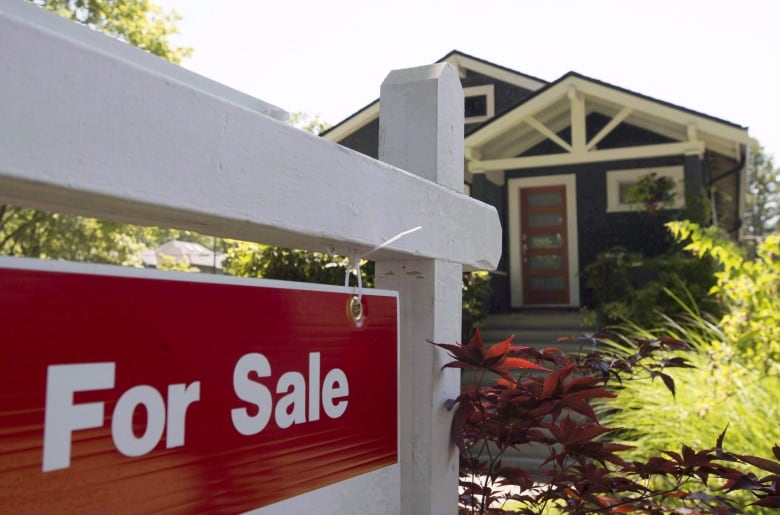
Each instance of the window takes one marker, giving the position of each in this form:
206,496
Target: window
479,103
619,181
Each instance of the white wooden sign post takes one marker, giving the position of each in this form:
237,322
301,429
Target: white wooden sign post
421,130
92,126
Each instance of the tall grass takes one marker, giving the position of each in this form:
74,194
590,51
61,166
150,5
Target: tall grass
725,389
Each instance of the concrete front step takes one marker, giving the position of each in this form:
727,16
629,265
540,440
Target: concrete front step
538,328
539,319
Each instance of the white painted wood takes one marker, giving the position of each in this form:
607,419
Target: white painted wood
489,92
472,153
375,493
92,126
462,62
509,120
608,128
542,129
577,103
665,119
556,118
438,163
693,133
421,129
15,16
497,177
515,236
662,110
594,156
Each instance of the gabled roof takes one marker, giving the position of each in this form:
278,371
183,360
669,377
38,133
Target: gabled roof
566,102
462,62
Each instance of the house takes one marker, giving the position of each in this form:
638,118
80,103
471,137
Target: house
557,159
186,254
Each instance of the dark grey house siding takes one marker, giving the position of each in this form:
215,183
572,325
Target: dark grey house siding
624,135
507,95
364,140
599,230
495,195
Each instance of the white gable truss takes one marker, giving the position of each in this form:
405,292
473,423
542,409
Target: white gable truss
499,145
463,64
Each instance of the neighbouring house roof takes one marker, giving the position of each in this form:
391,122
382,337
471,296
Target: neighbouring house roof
189,252
463,63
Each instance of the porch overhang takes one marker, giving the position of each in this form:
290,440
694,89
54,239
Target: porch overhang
594,156
566,104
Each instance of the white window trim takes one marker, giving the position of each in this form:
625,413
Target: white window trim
615,177
488,90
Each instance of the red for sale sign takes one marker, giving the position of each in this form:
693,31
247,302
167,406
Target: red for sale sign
125,390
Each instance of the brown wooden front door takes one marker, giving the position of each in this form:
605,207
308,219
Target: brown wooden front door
544,245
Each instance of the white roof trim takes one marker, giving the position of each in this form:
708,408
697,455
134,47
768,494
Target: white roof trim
460,61
363,117
644,113
371,112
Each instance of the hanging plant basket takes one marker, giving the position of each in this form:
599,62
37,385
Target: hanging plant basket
652,191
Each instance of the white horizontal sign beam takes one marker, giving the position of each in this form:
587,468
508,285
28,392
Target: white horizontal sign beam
92,126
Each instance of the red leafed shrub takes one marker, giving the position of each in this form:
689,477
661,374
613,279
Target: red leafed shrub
522,397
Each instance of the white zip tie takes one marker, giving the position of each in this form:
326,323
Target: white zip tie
354,260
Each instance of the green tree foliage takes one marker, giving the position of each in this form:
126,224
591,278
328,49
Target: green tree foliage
140,23
544,400
308,123
723,388
747,288
246,259
27,232
32,233
735,380
475,294
628,285
763,195
172,264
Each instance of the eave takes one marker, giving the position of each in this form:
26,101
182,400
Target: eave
499,145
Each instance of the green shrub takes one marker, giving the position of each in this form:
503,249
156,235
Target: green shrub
544,400
720,391
629,286
254,260
476,292
748,289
